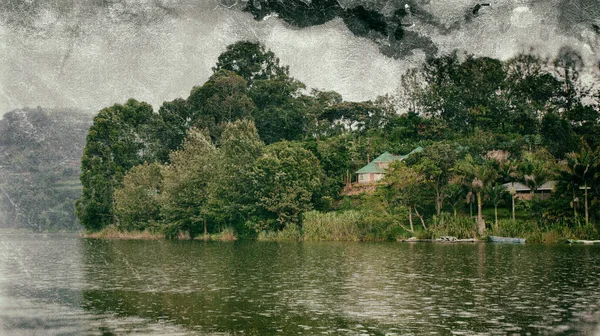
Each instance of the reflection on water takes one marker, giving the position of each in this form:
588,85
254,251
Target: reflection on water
65,285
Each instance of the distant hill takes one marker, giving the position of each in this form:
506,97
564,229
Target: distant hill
40,152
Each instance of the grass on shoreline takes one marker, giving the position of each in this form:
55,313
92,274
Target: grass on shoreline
357,226
113,232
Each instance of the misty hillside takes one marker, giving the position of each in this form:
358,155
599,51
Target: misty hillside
40,151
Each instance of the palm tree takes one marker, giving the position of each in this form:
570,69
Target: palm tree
535,170
509,172
495,194
477,177
578,171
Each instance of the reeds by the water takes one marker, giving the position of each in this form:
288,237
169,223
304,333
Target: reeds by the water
113,232
336,226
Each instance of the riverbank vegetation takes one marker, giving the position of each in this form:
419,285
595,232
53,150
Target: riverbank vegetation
254,153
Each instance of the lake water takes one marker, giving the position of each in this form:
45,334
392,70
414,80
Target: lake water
65,285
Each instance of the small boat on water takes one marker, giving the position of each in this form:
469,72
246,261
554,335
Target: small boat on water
586,242
507,240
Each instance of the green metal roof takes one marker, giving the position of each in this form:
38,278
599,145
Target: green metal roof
416,150
387,157
371,167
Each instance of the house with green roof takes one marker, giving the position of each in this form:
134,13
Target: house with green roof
376,169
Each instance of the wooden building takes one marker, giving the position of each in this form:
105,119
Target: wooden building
521,191
375,170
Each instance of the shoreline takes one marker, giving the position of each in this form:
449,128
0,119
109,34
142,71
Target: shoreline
145,235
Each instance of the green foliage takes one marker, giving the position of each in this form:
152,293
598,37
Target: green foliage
137,201
463,93
477,177
557,135
352,225
536,168
223,98
186,183
337,226
250,61
284,180
291,232
437,163
482,122
230,201
519,228
118,140
170,127
460,227
279,113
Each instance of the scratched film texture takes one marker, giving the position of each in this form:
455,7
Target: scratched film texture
90,54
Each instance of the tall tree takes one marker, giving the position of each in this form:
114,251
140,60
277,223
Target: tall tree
170,127
186,184
578,172
495,193
462,93
436,163
406,185
478,176
557,135
137,201
535,169
118,140
251,61
231,201
281,112
223,98
530,91
284,180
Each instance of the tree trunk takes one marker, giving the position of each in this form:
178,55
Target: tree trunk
412,229
368,150
205,231
439,201
586,204
114,212
531,194
480,221
574,205
496,215
513,207
421,218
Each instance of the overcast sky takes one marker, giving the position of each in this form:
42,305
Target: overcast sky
91,54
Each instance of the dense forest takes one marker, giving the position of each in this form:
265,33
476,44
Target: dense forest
40,151
254,152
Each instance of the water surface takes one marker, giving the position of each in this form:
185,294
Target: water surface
65,285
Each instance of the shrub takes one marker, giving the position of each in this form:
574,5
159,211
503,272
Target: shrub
289,232
589,231
336,226
423,234
171,230
519,228
461,227
226,234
